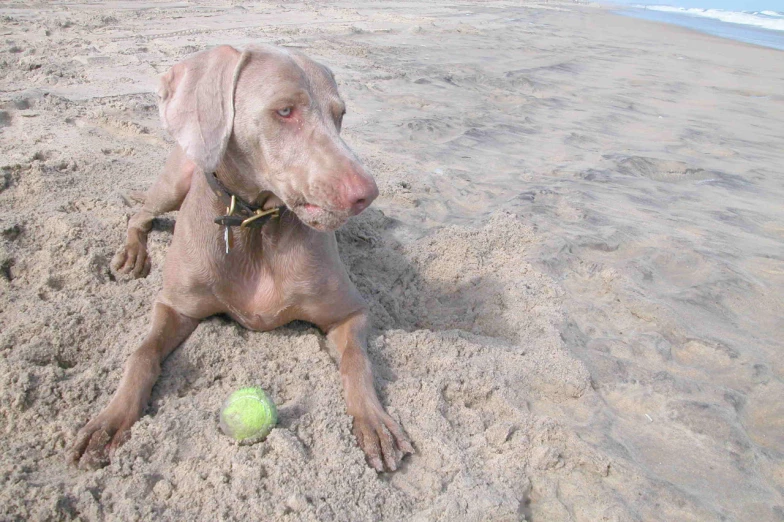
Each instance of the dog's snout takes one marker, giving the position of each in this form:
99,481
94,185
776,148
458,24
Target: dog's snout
358,193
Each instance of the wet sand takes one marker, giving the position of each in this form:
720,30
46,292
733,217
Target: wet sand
574,269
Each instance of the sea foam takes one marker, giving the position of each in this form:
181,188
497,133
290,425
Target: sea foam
771,20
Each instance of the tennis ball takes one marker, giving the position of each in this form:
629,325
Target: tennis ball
248,415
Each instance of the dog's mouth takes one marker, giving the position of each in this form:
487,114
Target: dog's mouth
318,218
312,215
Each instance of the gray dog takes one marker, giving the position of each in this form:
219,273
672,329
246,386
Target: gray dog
262,179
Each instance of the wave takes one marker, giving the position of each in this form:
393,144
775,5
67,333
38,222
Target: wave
772,20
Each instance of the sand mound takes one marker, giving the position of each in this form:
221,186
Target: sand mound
467,339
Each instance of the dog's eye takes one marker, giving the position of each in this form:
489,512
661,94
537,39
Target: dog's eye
284,113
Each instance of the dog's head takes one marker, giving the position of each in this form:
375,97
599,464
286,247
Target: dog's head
279,114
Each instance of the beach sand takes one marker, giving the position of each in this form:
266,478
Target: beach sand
575,269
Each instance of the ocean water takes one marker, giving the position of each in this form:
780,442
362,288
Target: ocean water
763,27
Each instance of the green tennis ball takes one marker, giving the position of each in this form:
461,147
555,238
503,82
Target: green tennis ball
248,415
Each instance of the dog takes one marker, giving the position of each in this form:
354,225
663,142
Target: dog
261,179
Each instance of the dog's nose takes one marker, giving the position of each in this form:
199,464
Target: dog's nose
359,193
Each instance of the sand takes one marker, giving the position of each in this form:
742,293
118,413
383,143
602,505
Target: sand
574,269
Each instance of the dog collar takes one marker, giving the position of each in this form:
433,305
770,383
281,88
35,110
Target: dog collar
239,213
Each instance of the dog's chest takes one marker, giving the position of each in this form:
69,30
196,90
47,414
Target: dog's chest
265,294
257,305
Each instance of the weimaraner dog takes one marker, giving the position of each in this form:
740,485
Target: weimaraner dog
261,178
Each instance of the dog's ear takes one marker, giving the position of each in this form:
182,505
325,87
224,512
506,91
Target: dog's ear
197,104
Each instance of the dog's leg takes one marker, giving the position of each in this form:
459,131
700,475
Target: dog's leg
165,195
377,433
101,436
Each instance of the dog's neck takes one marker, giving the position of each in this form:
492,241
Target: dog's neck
241,216
231,180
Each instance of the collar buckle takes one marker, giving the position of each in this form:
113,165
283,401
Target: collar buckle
272,213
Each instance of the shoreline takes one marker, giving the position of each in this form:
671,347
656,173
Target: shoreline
748,34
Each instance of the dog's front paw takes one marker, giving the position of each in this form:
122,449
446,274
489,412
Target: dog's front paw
98,439
381,438
132,258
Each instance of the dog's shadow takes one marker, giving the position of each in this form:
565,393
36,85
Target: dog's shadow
401,297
